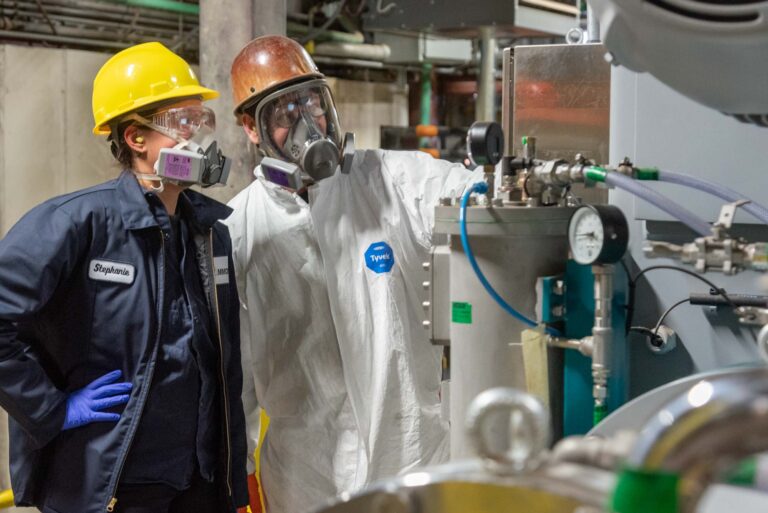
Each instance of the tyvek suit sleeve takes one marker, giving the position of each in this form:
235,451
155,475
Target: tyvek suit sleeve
237,223
35,258
422,180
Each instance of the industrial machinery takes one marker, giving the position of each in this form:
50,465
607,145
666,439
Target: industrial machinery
534,297
691,437
692,40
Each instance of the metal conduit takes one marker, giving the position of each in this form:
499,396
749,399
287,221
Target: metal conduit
106,7
85,13
93,24
61,39
100,24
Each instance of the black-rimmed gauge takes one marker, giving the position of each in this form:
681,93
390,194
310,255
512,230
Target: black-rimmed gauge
485,143
598,234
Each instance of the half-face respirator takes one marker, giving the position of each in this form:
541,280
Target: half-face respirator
196,158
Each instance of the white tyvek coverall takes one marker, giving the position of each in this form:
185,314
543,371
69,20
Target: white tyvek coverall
334,349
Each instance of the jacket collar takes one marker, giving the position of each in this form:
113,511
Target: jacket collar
137,214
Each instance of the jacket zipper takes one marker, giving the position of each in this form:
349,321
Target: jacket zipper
142,400
221,366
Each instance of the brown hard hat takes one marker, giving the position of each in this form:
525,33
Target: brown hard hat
266,64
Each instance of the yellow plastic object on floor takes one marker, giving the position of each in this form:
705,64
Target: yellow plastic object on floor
6,499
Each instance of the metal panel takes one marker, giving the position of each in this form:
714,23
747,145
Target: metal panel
656,126
563,98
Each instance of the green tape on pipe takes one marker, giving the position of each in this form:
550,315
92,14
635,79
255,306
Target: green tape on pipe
599,413
646,173
639,491
163,5
595,173
743,474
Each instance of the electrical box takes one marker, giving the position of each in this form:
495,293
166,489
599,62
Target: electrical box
462,18
414,48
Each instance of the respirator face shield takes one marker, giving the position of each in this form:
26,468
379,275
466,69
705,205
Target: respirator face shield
299,125
196,158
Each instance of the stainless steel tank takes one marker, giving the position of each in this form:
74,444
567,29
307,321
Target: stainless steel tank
513,246
463,487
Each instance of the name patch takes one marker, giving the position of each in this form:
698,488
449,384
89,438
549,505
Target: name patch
221,268
116,272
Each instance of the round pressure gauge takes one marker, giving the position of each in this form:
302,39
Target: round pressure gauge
598,234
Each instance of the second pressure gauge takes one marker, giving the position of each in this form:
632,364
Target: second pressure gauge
598,234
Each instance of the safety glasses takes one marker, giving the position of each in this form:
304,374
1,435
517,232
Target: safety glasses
180,123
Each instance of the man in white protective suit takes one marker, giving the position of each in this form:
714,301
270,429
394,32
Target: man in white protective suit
333,344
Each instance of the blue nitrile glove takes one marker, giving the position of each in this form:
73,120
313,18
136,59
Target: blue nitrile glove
85,405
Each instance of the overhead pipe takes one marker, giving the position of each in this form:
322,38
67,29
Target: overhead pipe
66,22
85,14
63,40
90,6
327,35
164,5
377,52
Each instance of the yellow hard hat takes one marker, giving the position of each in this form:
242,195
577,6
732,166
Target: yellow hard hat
140,76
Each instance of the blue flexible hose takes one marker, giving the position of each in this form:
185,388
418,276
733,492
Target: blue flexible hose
482,188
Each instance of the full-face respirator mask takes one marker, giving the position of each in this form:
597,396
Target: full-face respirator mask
299,125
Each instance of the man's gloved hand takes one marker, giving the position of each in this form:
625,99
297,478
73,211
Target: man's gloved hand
85,405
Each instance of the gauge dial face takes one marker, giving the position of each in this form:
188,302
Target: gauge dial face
586,235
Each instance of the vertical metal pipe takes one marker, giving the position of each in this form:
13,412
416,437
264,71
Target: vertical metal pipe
602,335
593,25
486,86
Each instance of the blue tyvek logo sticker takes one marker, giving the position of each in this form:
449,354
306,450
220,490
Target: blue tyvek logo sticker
379,257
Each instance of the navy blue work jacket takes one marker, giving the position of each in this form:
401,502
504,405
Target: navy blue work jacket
81,294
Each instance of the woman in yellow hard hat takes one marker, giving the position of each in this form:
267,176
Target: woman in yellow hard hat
119,331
